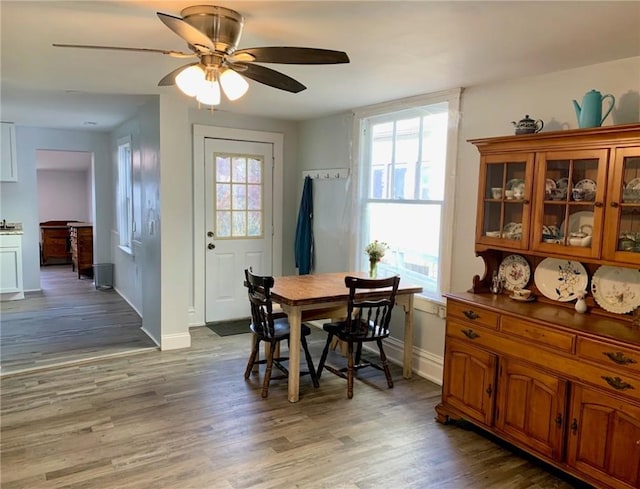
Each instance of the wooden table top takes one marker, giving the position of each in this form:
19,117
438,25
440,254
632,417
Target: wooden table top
298,290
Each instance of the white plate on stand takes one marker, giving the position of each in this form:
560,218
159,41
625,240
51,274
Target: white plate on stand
515,272
616,289
561,280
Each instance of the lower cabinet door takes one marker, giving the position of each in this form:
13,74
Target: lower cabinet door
604,438
531,407
469,381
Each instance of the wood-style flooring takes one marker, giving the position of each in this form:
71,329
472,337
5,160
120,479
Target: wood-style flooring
67,321
187,419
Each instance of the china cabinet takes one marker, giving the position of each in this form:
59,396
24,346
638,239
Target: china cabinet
558,214
82,248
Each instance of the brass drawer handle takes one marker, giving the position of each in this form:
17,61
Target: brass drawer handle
618,357
574,426
471,334
470,314
617,383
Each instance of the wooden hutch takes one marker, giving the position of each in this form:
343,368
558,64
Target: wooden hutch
558,384
82,247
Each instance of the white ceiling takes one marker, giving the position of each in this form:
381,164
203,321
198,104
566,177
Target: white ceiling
397,49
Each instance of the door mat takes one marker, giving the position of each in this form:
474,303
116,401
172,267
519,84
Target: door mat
228,328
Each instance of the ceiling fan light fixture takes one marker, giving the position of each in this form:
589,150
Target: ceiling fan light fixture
190,80
209,93
233,84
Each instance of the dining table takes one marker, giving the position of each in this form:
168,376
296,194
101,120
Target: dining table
325,296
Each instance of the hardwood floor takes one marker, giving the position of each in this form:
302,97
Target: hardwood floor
68,321
187,419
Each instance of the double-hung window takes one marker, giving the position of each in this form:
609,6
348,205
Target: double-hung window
406,152
125,194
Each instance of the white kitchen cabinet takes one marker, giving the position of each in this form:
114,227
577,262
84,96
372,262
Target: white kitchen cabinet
11,287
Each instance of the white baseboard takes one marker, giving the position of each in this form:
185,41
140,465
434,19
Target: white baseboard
128,302
175,341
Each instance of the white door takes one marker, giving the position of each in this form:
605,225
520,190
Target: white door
238,222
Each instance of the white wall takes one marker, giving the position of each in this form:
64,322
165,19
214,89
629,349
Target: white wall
63,195
486,111
19,200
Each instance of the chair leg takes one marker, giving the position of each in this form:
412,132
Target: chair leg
385,364
323,358
267,373
312,370
252,357
359,353
350,371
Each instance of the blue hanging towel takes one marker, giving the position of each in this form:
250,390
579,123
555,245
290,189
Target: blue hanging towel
304,230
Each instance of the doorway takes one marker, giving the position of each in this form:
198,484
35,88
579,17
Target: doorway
213,280
239,216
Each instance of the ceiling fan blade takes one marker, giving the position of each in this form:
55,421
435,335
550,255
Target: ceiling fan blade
175,54
187,32
270,77
290,55
170,78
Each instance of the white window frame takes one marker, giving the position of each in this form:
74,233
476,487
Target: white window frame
125,194
357,256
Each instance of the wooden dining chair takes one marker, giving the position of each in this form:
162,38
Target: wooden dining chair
271,328
367,321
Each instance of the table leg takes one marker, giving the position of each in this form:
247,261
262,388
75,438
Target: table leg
295,323
408,337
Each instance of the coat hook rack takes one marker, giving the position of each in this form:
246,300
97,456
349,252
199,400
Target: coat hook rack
327,174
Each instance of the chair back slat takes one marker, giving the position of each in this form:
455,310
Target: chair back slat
369,318
259,291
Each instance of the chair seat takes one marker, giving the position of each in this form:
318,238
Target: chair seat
371,332
281,329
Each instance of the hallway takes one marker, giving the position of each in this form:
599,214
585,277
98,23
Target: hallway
66,322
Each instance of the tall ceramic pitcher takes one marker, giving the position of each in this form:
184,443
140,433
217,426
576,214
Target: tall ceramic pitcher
590,114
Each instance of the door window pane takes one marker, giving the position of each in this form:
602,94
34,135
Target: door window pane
239,196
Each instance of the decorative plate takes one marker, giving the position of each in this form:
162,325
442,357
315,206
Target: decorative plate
580,222
515,272
515,183
562,183
616,289
549,184
512,230
586,184
560,280
634,184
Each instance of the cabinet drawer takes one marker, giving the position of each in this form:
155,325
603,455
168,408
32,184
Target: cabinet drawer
609,355
612,380
538,334
473,314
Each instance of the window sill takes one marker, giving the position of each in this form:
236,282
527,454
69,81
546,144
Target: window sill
126,249
430,306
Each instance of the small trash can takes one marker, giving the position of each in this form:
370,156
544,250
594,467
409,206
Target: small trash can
103,275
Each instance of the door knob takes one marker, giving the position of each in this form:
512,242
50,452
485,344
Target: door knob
211,246
210,234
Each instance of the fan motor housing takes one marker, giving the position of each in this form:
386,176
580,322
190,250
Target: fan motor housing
222,25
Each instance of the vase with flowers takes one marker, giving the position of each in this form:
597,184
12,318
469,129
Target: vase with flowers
376,250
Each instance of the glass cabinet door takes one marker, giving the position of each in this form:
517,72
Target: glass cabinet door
622,237
570,189
504,214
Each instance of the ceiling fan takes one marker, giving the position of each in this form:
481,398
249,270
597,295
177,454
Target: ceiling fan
212,34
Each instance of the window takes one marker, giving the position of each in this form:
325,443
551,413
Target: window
406,153
239,196
125,194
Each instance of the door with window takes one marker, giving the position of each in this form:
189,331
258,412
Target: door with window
239,224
